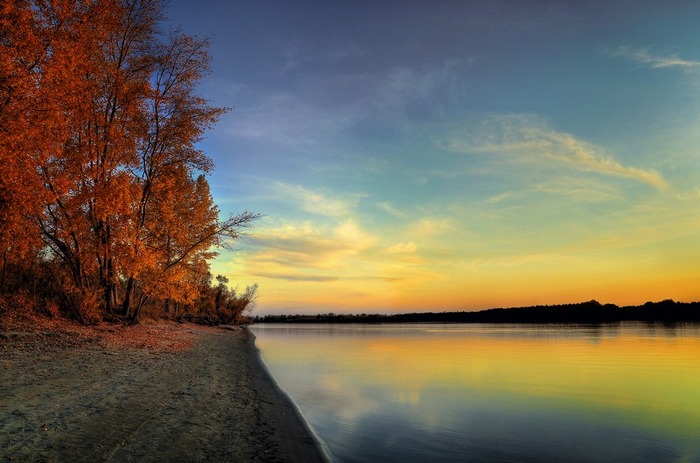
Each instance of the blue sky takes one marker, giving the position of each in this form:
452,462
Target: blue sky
456,155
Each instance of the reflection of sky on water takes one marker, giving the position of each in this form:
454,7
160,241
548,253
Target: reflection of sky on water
456,392
491,435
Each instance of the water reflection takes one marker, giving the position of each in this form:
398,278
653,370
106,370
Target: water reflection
493,393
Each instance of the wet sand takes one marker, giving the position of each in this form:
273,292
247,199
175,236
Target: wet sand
196,395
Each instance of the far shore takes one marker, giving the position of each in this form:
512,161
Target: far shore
590,312
163,392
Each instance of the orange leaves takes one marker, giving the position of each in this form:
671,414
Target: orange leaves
180,228
100,119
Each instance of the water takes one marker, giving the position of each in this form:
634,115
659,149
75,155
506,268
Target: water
485,393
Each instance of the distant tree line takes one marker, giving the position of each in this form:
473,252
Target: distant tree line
105,210
590,312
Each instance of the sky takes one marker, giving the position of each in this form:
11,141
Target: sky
455,155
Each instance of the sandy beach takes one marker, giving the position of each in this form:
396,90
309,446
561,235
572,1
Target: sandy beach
158,393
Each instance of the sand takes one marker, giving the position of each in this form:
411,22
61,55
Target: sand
164,393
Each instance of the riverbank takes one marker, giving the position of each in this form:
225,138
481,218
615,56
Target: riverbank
153,393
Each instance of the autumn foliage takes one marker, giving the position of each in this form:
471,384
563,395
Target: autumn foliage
105,210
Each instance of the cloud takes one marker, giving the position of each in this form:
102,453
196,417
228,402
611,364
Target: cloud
304,252
530,140
584,156
289,120
301,53
349,232
692,194
326,110
389,208
400,96
429,227
297,277
297,248
403,248
588,190
317,202
500,197
644,56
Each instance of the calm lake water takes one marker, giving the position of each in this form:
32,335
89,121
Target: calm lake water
484,393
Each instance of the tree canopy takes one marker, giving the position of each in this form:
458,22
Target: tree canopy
103,195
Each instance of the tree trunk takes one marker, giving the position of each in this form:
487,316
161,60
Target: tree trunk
111,298
4,272
136,317
128,296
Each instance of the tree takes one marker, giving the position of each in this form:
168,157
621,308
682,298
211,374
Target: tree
100,172
221,291
227,305
95,79
27,114
178,236
175,120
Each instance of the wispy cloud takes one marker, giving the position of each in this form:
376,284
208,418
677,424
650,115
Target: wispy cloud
692,195
531,140
288,120
300,53
430,226
319,203
391,210
403,248
330,106
297,277
585,156
655,61
499,198
296,247
587,190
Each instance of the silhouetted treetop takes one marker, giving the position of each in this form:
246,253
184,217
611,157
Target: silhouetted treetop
590,312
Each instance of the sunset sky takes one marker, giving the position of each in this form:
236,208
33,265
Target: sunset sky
415,155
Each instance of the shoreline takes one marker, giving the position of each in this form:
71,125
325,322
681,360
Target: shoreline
204,395
318,442
284,398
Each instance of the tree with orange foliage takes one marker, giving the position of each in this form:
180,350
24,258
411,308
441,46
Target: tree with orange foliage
179,236
175,120
100,121
26,113
94,80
